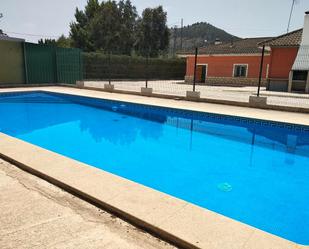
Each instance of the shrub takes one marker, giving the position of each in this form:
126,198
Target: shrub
96,66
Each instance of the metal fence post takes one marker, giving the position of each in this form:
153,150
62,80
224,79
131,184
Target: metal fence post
25,63
109,68
56,73
261,71
147,61
81,65
195,63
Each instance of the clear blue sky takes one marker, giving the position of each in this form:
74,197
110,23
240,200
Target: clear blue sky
244,18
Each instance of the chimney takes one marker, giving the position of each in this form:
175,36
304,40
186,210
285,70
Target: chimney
300,68
305,38
302,59
218,41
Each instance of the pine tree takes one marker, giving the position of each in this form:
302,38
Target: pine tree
153,33
80,30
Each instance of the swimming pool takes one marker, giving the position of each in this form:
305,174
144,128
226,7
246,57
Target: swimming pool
250,170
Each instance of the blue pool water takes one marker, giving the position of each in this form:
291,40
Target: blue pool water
253,171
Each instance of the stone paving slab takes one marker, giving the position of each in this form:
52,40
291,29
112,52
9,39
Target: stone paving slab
36,214
240,94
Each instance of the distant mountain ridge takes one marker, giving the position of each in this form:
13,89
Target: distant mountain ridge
196,35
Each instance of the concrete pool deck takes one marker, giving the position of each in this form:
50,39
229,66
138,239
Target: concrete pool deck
170,218
36,214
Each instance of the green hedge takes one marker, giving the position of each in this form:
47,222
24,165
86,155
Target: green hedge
96,67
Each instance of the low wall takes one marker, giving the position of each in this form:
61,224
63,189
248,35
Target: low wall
11,62
278,85
228,81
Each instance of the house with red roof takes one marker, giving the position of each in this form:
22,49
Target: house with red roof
231,63
285,66
289,60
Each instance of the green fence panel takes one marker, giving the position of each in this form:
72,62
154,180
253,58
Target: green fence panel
41,64
69,65
49,64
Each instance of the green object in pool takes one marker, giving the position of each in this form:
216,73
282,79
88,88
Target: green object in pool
225,187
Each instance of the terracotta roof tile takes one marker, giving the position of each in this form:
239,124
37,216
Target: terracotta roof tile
243,46
291,39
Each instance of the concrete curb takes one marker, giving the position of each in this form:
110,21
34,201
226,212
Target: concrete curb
212,101
170,96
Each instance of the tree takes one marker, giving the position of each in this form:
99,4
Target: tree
128,26
47,41
2,33
115,27
106,27
153,33
64,42
80,30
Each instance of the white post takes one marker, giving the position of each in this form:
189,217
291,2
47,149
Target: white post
80,83
146,91
193,95
290,81
307,83
108,87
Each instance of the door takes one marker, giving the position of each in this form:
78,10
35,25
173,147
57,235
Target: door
201,73
204,73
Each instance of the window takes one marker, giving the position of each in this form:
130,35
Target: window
240,70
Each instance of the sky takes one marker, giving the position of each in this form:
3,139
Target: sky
35,19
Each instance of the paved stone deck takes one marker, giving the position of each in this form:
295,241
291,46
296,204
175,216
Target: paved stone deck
241,94
36,214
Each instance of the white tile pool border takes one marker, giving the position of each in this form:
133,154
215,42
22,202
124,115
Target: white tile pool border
246,112
170,218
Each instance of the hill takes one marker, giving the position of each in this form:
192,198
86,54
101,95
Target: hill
196,35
